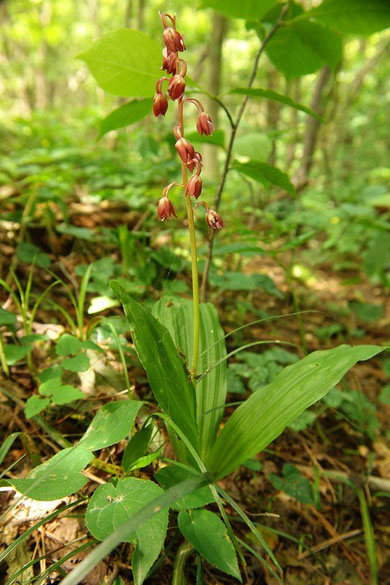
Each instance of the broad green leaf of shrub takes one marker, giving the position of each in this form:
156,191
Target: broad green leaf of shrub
79,363
266,413
110,506
243,9
178,317
68,344
125,62
207,534
125,115
164,367
266,174
359,17
171,475
58,477
258,92
301,47
34,405
13,353
111,424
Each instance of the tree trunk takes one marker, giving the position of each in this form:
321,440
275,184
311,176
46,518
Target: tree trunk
219,26
312,127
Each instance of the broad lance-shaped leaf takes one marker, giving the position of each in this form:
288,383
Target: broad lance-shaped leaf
56,478
207,533
164,367
267,412
125,62
265,173
258,92
125,115
177,316
110,506
360,17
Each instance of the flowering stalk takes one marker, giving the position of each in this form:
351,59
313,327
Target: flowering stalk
190,159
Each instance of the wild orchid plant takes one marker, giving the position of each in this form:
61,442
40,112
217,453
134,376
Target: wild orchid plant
191,397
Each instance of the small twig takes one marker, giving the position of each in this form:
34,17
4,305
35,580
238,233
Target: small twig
329,542
229,150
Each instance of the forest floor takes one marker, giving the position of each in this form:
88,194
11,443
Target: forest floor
316,543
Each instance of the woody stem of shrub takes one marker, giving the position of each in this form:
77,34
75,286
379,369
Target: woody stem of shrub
194,257
229,150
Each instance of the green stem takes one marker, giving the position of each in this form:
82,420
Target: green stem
3,360
194,257
183,552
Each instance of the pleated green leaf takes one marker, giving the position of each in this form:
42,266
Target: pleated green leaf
268,411
164,367
177,316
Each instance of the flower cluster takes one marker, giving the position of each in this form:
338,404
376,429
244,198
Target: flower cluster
177,69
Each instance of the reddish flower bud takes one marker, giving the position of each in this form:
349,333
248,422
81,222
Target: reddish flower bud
204,124
173,40
169,61
176,87
194,186
160,104
185,150
165,209
214,219
192,163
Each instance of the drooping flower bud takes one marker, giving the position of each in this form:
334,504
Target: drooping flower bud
160,104
169,61
173,40
176,86
185,150
165,209
194,186
214,220
193,162
204,124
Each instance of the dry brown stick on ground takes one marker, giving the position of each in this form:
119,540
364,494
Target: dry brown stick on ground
378,483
